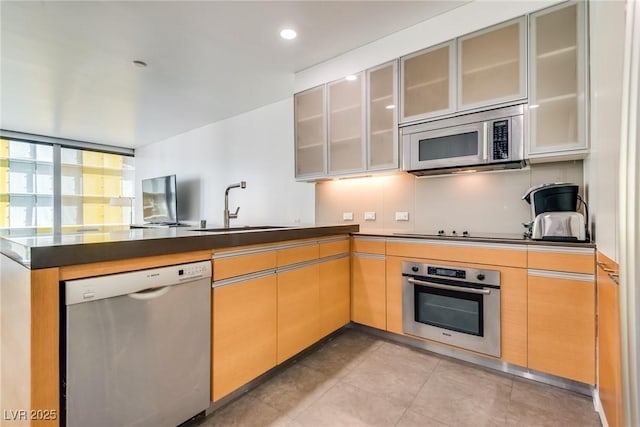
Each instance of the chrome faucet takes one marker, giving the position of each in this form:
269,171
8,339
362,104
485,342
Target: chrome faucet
228,215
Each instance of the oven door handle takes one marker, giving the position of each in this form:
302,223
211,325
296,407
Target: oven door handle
449,288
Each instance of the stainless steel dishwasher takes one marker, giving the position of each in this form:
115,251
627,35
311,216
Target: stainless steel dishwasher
137,347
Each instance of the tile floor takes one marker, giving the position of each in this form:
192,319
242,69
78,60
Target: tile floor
356,379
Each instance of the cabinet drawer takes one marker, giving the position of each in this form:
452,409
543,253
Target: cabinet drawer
298,253
478,253
369,246
571,260
237,265
334,248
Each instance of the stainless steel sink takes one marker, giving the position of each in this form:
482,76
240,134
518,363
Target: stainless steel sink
245,228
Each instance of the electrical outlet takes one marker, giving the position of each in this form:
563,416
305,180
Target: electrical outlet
402,216
347,216
369,216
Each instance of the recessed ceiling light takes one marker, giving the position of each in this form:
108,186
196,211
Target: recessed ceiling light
351,77
139,64
288,34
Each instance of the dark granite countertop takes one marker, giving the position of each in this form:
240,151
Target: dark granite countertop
48,250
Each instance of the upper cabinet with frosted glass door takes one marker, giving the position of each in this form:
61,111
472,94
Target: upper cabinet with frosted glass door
310,133
492,65
428,83
382,117
346,124
557,110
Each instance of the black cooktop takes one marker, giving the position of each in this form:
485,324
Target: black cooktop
442,234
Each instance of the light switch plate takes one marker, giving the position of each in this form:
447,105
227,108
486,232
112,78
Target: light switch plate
347,216
402,216
369,216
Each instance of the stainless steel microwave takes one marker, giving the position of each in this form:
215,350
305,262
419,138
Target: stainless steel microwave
487,140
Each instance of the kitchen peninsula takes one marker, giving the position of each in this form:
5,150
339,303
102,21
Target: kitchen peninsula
32,268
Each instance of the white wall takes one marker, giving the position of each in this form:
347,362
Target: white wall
256,147
465,19
607,32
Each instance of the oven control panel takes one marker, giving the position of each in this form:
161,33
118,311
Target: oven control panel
451,274
500,140
446,272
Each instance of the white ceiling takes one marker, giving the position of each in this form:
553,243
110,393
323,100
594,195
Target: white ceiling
66,67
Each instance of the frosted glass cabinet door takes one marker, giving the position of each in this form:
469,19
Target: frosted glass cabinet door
492,65
346,125
427,86
310,132
382,120
557,102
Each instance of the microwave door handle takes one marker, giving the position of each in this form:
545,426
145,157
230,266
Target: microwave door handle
449,288
485,139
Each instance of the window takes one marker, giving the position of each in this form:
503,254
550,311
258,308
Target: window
97,189
84,190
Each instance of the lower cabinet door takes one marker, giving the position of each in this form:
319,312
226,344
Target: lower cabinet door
368,299
513,315
561,324
334,295
298,310
244,333
609,357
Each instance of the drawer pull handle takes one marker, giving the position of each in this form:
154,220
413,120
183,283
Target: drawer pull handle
604,267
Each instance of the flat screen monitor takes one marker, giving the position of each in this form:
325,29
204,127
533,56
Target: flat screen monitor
159,200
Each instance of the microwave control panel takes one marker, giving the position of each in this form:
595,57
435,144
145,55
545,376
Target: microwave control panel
501,140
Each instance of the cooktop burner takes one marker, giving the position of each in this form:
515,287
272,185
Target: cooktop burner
463,235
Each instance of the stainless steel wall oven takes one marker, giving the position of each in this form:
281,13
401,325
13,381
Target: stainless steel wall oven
452,305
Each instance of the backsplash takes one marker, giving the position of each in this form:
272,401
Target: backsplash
488,202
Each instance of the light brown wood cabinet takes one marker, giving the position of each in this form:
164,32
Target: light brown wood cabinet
298,310
313,296
368,288
297,253
244,333
491,254
394,292
227,264
368,281
513,315
270,302
554,258
335,310
562,311
561,318
609,353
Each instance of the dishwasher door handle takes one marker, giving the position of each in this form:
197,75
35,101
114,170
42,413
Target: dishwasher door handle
148,294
